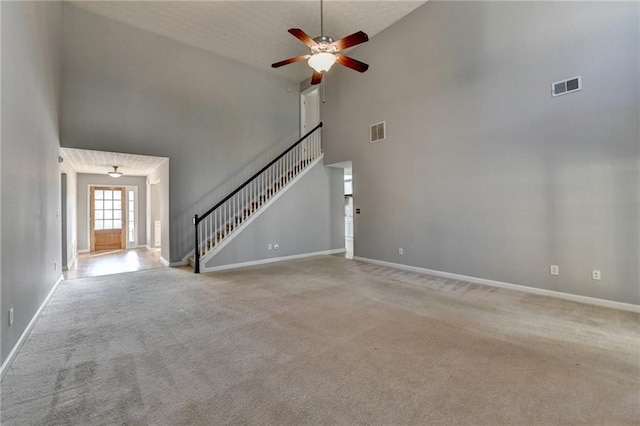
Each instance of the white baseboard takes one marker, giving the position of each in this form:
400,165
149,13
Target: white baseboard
539,291
69,265
269,260
81,251
164,261
179,263
7,362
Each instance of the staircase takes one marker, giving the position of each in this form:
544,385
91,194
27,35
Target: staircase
215,228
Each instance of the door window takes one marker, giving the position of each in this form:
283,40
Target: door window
108,209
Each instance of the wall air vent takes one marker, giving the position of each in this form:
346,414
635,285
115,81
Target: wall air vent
566,86
378,132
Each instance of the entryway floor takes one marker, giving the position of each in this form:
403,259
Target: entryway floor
108,262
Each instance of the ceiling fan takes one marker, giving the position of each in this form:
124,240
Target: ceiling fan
325,51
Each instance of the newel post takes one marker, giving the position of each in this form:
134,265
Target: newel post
196,253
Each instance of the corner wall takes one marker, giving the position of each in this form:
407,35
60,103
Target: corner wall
70,240
30,173
160,178
483,173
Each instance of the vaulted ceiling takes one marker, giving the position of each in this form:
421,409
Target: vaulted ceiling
254,32
250,32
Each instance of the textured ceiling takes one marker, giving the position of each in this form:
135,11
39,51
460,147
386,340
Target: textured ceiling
254,32
100,162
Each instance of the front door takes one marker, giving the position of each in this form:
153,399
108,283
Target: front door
108,230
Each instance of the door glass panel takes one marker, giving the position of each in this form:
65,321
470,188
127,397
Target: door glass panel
107,211
131,225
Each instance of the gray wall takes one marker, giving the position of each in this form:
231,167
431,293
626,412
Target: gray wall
308,218
483,173
86,180
30,179
129,90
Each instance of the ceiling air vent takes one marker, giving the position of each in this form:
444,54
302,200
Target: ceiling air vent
378,132
566,86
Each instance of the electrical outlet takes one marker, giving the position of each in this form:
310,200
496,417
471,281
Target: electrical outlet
10,317
400,251
276,247
595,274
554,270
270,246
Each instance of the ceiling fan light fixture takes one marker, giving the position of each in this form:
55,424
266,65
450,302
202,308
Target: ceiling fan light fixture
114,173
322,61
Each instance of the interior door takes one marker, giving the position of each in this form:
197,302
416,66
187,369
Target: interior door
309,110
309,113
107,218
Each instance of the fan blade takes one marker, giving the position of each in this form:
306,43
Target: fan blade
317,77
290,61
351,63
303,37
350,41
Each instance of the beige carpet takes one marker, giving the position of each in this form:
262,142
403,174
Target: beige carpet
320,341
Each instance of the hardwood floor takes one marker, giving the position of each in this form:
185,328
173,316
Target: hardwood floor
108,262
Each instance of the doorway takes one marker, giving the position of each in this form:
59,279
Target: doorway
347,191
63,219
348,212
309,110
107,218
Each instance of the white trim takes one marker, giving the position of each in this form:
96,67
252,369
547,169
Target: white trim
74,259
179,263
270,260
70,264
539,291
164,261
136,220
82,251
12,355
255,215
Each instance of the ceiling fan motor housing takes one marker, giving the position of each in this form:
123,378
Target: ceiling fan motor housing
324,45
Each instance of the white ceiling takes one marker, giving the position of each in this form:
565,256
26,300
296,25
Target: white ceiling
254,32
100,162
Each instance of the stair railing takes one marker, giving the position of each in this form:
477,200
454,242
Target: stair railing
220,220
